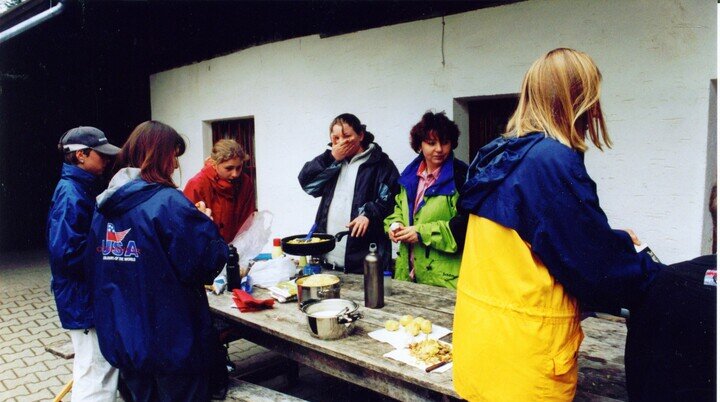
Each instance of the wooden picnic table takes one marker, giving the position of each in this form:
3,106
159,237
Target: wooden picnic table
359,359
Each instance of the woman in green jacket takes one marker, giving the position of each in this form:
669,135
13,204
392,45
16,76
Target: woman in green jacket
425,220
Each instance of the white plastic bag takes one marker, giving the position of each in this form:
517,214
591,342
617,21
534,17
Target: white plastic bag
270,272
253,235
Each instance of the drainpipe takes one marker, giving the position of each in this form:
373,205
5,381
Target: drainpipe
31,22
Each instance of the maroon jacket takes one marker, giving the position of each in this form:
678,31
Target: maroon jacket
231,203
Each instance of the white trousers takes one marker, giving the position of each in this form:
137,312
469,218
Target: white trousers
94,379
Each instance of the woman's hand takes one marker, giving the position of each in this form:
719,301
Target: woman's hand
393,230
636,241
200,205
407,235
344,148
359,226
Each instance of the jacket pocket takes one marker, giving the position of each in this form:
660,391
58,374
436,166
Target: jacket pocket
566,359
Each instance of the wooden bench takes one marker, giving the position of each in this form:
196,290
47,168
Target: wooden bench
240,390
601,362
62,349
264,365
65,350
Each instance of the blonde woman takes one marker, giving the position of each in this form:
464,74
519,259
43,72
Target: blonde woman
224,188
538,243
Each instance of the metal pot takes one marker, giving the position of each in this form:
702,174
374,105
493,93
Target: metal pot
325,245
331,318
309,293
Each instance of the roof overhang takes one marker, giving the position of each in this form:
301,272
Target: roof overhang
176,33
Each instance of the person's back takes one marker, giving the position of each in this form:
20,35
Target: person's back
671,342
149,276
538,243
152,250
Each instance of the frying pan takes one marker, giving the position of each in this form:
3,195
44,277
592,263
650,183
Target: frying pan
326,244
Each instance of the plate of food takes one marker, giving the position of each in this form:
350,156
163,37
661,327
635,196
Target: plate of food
429,355
408,329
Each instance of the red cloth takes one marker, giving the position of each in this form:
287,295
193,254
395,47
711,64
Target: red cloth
246,303
231,203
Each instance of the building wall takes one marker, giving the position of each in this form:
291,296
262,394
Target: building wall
657,60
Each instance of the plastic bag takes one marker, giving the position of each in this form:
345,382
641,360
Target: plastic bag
219,284
253,235
270,272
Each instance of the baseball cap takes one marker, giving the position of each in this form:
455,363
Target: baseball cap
87,137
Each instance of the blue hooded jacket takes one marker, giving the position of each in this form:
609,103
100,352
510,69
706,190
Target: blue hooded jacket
152,251
540,188
68,224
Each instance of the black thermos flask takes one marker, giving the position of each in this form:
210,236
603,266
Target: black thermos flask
233,269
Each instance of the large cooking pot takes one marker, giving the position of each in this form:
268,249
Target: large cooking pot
325,244
317,287
331,318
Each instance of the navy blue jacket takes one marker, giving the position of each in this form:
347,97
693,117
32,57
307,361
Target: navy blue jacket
68,224
539,187
152,251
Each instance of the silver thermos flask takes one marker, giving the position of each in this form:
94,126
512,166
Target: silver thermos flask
374,293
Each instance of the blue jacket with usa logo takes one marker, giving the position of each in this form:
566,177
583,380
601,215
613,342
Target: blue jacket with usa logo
68,224
152,251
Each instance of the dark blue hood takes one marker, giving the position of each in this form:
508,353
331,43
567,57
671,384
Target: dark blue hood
492,165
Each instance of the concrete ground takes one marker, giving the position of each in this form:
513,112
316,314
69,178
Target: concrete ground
28,322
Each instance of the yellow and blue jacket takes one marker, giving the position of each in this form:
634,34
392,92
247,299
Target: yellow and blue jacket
537,244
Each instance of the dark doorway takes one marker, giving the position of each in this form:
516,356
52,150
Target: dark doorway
488,117
242,131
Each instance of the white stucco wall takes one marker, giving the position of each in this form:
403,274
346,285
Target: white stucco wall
657,59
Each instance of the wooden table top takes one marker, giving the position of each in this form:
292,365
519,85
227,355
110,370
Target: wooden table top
359,358
287,322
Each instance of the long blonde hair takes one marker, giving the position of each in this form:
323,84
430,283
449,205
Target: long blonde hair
560,96
226,149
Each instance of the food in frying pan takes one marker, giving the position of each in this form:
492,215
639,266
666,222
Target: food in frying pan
311,241
430,351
